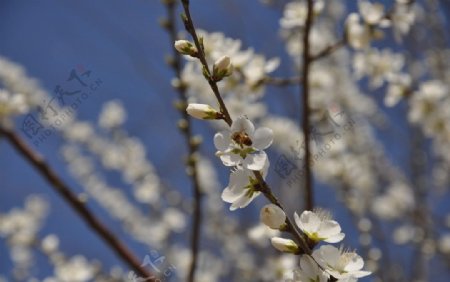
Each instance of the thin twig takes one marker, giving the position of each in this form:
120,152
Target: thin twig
189,25
176,64
309,192
329,50
265,189
281,81
63,190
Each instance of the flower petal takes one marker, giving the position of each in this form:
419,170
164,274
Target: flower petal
256,161
263,138
239,179
309,267
230,196
222,140
327,256
243,201
230,159
355,262
242,124
308,222
328,228
336,238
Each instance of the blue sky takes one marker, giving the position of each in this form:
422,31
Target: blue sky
123,45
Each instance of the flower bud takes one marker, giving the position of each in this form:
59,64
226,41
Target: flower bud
284,245
186,48
273,216
222,68
202,111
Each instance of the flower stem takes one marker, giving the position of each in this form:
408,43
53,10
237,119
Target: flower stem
265,189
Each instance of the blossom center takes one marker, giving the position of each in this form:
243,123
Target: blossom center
242,138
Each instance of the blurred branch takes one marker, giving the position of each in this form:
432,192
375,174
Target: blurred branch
79,206
186,129
281,81
330,49
307,60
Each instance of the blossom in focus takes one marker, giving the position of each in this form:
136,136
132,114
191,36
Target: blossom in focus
202,111
309,271
222,68
242,188
340,264
319,226
242,145
273,216
284,245
186,48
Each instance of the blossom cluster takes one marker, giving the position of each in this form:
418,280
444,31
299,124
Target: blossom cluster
324,262
366,181
242,148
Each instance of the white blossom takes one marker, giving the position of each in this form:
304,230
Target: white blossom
426,100
242,188
358,34
50,243
403,18
284,245
319,226
309,271
77,269
398,87
185,47
340,264
378,65
372,13
295,13
202,111
242,145
12,104
222,68
273,216
112,115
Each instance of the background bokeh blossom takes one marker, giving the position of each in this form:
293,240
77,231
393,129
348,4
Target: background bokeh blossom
385,179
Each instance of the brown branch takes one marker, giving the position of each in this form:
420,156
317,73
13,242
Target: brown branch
66,193
186,130
309,192
281,81
329,50
267,192
264,187
189,25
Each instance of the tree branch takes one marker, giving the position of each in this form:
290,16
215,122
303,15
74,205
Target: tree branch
329,50
307,60
189,25
186,130
66,193
281,81
265,189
